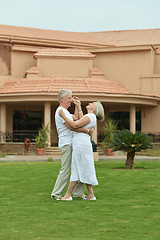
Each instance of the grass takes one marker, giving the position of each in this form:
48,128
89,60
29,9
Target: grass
150,152
127,205
154,152
2,155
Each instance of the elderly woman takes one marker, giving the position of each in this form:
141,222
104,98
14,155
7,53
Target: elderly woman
82,166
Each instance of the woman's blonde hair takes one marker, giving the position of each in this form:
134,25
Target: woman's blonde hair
99,112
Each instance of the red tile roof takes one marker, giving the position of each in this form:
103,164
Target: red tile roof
33,70
46,85
60,52
128,37
99,39
13,32
96,71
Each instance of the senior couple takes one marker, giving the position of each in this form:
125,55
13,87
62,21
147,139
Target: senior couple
74,133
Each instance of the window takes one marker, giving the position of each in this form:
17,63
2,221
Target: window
123,119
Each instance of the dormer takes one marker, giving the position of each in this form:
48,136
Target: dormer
55,62
96,73
32,72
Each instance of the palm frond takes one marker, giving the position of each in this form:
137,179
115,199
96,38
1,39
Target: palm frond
109,130
129,142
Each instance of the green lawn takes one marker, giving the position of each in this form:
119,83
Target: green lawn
150,152
127,205
154,152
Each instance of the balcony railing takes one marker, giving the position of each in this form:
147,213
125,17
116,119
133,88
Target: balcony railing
20,135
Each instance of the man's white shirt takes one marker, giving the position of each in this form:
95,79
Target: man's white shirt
64,134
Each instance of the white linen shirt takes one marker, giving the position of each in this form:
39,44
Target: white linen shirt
64,134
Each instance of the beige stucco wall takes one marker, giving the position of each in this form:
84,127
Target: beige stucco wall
4,79
157,64
150,85
21,62
150,119
4,59
3,68
66,67
125,67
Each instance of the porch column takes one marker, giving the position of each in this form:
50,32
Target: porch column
47,119
3,121
133,118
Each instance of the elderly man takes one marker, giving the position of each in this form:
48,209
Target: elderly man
65,144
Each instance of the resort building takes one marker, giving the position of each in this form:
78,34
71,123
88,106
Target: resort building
119,68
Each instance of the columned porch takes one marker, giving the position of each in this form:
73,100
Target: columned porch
46,104
47,116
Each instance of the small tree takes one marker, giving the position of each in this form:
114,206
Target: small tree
109,130
42,136
130,143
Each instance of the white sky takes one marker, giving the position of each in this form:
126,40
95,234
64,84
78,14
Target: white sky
81,15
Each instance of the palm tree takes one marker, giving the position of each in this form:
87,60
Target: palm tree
130,143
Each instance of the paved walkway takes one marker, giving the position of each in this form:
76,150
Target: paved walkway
47,158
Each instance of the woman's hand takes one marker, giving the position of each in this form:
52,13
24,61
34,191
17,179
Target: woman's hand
61,113
90,131
76,101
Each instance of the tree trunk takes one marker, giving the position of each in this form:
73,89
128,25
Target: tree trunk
129,164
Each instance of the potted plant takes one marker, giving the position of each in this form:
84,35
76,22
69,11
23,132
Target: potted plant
130,143
41,139
109,130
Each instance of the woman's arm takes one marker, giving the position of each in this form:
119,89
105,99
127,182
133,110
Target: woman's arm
88,131
78,124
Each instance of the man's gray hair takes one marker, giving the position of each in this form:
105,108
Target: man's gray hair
62,93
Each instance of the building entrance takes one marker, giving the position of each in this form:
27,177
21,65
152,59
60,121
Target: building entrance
26,124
